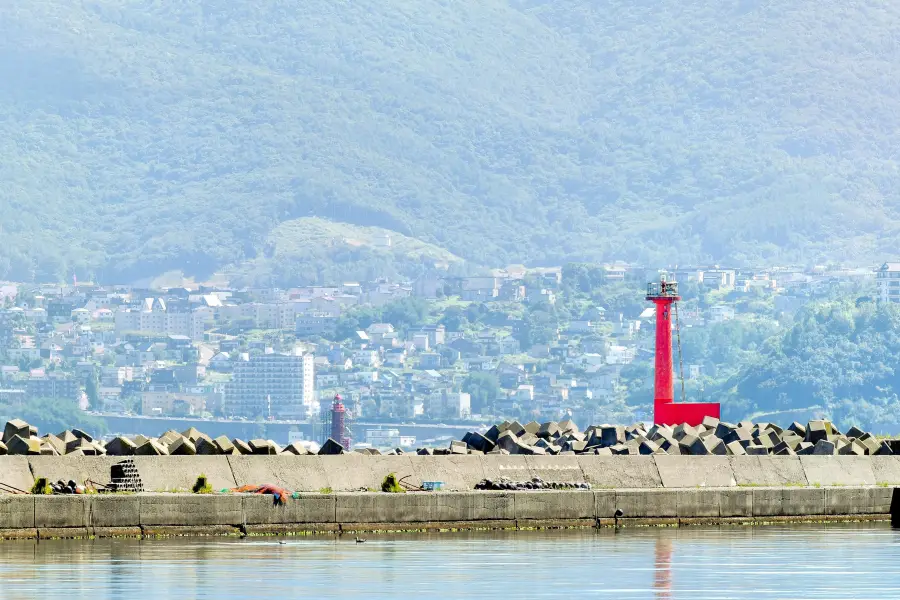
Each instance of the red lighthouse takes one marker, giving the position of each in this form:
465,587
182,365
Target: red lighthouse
338,425
665,411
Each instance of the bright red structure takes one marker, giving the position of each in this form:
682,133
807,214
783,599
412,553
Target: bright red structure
338,425
665,411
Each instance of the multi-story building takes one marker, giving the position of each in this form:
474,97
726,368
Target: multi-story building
52,385
272,385
154,316
59,311
314,324
719,279
888,278
161,402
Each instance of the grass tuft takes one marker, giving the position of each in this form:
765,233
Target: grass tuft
202,485
391,485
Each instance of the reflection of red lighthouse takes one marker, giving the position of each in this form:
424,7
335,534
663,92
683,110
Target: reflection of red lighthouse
664,295
662,580
338,426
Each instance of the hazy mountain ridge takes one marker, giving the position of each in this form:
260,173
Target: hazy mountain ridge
141,137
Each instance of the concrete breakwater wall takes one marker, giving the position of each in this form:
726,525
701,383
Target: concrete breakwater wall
356,472
26,516
646,489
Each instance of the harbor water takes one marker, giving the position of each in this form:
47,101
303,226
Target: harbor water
798,561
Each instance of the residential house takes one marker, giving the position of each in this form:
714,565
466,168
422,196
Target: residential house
395,357
479,289
173,403
378,331
721,313
719,279
580,393
620,355
480,363
366,358
116,376
436,334
327,380
508,345
429,360
582,325
361,377
457,405
615,272
511,291
525,393
221,362
420,341
541,296
511,376
109,396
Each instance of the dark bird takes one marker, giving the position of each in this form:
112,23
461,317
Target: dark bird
360,540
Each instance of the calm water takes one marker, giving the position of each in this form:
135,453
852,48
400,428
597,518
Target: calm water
807,561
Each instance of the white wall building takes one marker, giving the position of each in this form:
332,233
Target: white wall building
154,317
888,280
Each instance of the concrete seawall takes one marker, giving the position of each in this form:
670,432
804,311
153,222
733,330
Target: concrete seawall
161,514
646,489
355,472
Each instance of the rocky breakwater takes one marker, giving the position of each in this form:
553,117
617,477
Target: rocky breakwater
21,439
712,437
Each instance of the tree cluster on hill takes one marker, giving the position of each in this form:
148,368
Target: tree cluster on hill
402,314
142,137
839,358
50,415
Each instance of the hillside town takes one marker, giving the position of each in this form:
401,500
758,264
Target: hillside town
533,344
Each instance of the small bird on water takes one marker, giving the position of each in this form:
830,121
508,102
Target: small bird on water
282,542
360,540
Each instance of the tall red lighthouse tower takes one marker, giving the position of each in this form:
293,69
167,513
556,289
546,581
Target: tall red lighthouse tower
665,411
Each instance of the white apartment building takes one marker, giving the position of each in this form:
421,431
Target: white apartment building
154,317
888,279
388,438
273,385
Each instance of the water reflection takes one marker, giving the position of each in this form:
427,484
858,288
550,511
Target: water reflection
812,561
662,580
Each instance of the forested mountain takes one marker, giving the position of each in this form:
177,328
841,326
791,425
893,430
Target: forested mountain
140,136
838,359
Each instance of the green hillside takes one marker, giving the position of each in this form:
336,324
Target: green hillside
311,249
138,137
839,357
